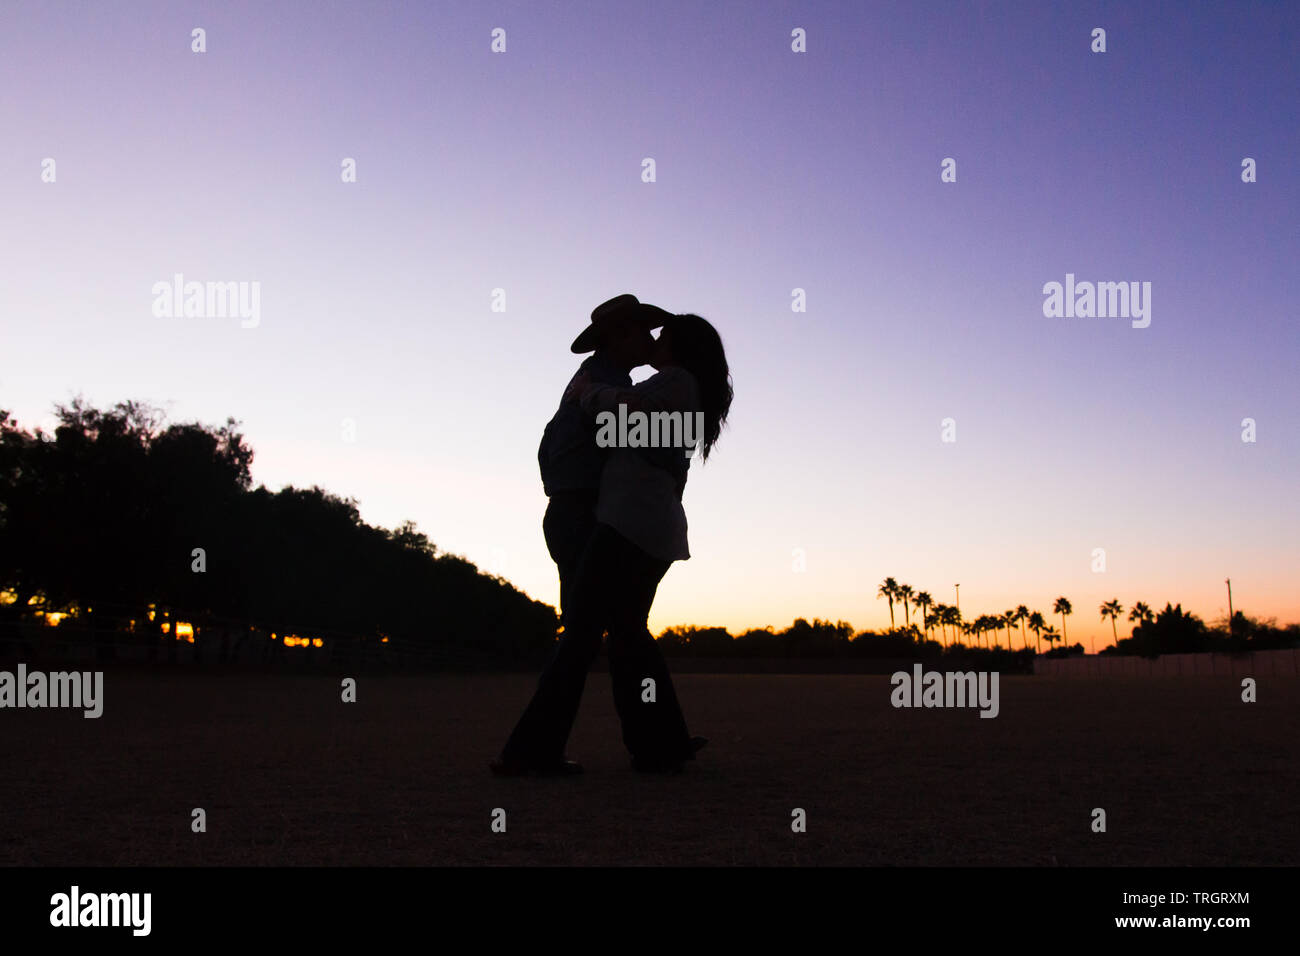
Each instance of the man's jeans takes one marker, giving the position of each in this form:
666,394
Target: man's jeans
567,526
613,588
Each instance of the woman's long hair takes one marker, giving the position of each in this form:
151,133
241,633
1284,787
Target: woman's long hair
697,347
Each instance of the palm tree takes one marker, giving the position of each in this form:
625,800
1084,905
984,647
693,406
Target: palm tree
936,615
1009,619
889,590
954,618
927,625
924,602
1112,610
1036,624
905,593
1141,613
1022,612
1049,632
1063,608
941,615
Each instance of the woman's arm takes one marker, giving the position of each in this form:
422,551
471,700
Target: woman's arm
664,391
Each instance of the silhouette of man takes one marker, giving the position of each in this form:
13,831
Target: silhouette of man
570,461
571,464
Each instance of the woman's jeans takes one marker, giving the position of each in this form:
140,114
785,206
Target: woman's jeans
612,589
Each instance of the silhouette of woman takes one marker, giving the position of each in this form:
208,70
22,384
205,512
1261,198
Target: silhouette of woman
640,531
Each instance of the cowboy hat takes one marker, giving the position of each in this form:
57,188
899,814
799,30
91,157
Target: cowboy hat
621,308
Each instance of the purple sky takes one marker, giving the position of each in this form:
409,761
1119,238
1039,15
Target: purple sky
775,171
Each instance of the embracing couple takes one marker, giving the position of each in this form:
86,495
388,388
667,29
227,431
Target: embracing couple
615,523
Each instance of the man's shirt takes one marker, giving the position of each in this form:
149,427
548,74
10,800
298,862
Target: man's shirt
568,456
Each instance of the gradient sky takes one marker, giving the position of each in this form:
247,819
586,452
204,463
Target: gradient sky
776,171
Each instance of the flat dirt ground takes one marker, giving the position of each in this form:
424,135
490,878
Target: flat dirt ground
290,775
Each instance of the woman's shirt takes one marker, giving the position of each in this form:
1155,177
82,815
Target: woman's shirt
641,488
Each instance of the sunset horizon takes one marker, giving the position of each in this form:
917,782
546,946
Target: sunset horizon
1079,629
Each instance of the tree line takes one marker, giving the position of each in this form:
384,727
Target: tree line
1170,631
129,524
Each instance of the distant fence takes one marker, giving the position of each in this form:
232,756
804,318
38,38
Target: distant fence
1279,663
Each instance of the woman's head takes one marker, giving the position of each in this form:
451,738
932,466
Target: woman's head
692,343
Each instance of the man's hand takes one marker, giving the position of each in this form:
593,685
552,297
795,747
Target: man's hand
579,384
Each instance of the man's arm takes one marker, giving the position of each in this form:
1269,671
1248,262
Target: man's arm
665,391
593,372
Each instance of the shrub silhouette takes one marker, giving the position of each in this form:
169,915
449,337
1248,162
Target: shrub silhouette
105,515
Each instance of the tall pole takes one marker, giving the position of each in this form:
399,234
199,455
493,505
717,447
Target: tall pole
1228,581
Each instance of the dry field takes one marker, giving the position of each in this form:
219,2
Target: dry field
289,775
